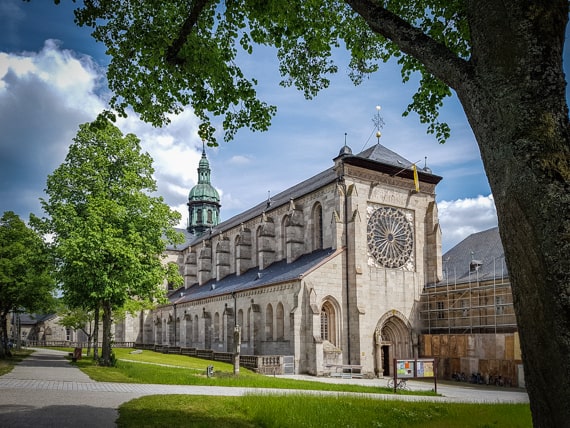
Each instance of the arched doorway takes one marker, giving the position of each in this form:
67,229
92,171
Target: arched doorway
392,339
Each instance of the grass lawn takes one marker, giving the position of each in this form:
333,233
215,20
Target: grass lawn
7,364
311,411
266,411
173,369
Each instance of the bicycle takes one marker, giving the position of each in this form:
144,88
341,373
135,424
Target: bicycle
402,384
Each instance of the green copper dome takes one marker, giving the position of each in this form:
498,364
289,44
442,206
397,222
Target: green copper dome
204,191
203,201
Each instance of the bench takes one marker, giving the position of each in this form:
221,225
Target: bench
345,371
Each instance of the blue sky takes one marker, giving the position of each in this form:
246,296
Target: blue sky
52,80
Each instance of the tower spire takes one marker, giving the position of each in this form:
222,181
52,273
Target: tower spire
203,200
378,123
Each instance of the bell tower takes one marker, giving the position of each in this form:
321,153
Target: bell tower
203,200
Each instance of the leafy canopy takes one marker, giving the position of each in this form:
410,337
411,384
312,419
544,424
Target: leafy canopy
26,267
168,55
78,319
109,232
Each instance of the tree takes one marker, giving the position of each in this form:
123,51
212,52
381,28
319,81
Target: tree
26,266
503,60
109,232
80,319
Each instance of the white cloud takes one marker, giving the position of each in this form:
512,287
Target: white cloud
44,97
183,210
173,156
41,105
240,160
462,217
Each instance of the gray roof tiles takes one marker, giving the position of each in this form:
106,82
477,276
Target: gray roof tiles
483,249
33,319
277,272
281,271
381,154
188,238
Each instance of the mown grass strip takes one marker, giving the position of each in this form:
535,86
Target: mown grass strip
172,369
312,411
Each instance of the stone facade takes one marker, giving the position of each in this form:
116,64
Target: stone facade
329,271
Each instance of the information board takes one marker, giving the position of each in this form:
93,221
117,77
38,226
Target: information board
414,369
425,368
405,368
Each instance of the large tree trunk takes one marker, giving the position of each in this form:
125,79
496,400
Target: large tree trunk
4,348
513,92
96,335
106,344
516,105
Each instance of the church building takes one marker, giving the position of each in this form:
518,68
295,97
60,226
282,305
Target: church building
328,272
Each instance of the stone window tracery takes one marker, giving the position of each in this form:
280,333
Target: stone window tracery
390,237
240,319
284,223
280,321
248,325
269,323
217,326
328,322
196,330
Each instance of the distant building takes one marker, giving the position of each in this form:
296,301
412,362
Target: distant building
38,328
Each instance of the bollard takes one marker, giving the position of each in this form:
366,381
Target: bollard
210,371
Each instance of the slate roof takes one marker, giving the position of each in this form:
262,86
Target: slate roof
33,319
381,154
277,272
188,238
382,159
375,157
482,249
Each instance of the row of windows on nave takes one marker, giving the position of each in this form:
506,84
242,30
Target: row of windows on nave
277,327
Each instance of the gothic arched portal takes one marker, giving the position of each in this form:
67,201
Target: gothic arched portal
392,340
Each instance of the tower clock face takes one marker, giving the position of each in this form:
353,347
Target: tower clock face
390,237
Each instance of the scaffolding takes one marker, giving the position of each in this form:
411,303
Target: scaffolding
469,306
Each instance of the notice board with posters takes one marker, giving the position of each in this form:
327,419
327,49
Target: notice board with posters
415,368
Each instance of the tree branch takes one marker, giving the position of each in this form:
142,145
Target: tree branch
436,57
173,50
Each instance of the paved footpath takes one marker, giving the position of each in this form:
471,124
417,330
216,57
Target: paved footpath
45,390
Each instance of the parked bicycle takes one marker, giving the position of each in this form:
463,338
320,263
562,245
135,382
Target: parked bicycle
402,384
459,377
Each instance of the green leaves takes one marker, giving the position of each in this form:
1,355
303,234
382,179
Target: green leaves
26,267
169,55
109,232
